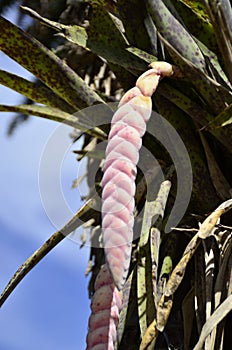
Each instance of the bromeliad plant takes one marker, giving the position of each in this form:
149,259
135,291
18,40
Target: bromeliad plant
176,286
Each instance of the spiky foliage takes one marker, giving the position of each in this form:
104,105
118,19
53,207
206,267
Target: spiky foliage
178,293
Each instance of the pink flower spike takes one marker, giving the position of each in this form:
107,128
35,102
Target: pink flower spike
118,189
106,305
128,125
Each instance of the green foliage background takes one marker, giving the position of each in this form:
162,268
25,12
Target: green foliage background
84,53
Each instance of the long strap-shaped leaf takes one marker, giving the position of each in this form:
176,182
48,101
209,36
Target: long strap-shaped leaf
175,33
220,14
84,214
166,301
36,92
56,115
213,321
147,269
45,65
103,37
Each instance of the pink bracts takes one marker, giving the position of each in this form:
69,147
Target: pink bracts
128,125
118,189
105,305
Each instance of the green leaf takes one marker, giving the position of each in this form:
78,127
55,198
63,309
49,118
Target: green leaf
203,193
197,112
223,119
135,25
142,54
39,254
166,301
103,37
56,115
91,154
129,304
36,92
144,288
196,19
219,181
166,266
220,14
214,66
45,65
215,95
153,216
148,256
73,33
175,33
155,235
106,40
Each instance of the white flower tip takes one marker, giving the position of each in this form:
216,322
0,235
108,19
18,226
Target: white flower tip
163,69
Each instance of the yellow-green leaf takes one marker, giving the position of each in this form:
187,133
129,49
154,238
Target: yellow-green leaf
57,115
77,220
45,65
35,91
102,37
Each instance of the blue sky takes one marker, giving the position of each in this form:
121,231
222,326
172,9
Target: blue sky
50,307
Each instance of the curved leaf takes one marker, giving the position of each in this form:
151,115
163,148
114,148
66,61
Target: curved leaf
196,112
77,220
215,95
219,181
213,321
142,54
45,65
175,33
220,14
135,25
223,119
102,37
196,19
34,91
214,66
148,256
56,115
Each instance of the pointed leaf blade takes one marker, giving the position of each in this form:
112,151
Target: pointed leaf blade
45,65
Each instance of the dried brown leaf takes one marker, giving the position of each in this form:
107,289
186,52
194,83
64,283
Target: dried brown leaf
209,224
213,321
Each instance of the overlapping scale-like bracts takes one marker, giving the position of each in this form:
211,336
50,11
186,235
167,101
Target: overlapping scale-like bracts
105,305
118,190
128,125
118,183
